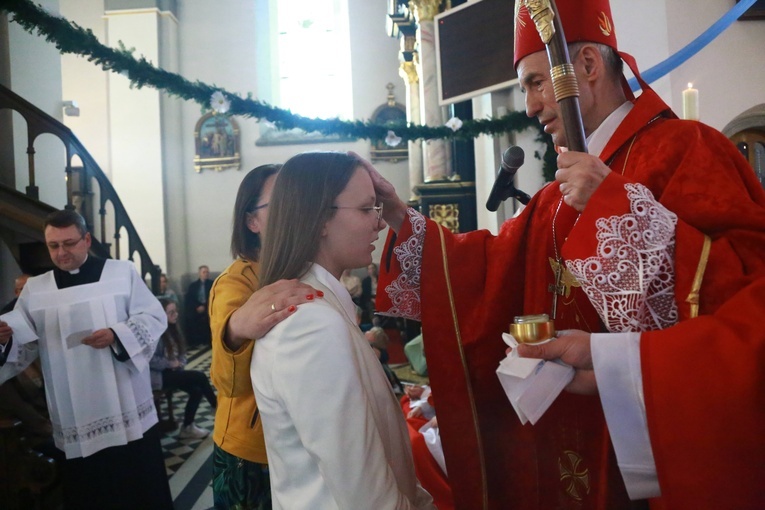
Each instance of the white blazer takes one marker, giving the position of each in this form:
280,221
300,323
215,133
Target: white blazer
335,434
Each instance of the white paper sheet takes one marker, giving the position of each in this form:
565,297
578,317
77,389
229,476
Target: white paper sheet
22,330
531,385
432,438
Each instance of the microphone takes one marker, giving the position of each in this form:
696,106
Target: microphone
512,160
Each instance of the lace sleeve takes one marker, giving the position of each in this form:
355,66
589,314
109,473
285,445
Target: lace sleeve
404,291
631,280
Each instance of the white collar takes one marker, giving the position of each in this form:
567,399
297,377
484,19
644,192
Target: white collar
338,289
598,139
77,271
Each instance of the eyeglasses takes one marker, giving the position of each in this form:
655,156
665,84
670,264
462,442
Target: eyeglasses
67,245
377,208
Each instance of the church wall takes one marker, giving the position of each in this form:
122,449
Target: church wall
729,73
135,134
217,47
87,84
230,60
173,162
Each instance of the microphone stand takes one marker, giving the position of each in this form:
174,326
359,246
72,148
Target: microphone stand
511,191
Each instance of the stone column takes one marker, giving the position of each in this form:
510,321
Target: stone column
408,72
136,128
436,159
7,162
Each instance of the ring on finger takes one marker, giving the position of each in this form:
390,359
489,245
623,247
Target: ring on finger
273,307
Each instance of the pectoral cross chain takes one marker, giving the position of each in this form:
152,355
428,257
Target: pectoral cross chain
557,288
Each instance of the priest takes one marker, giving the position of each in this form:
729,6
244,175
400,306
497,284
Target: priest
95,324
647,252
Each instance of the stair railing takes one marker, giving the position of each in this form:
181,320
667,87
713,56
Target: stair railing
78,186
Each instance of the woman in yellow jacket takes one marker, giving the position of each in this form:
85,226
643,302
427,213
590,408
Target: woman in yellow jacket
240,313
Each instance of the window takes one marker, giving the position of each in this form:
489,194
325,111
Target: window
308,48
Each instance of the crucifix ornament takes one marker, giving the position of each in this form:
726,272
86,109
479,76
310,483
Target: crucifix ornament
564,281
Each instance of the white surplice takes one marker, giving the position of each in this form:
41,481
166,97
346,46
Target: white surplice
95,401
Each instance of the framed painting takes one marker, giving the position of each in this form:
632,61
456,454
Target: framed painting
216,143
394,114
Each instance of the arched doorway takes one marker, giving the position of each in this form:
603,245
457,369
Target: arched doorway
747,132
751,143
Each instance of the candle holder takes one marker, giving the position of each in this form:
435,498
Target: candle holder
531,329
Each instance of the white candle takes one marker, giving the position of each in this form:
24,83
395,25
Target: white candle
691,103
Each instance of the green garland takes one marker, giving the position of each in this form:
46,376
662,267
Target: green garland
69,37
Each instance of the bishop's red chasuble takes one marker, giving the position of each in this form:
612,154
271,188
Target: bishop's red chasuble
687,215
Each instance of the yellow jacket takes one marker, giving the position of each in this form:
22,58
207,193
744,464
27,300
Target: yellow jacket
238,429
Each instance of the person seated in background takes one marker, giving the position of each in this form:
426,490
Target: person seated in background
379,340
168,372
428,455
353,284
165,292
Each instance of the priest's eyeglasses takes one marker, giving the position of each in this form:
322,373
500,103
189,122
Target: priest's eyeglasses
376,208
67,245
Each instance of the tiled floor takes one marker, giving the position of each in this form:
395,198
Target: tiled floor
188,462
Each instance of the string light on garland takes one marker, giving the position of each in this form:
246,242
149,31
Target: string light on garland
69,37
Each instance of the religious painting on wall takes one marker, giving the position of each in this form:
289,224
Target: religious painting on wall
394,114
217,143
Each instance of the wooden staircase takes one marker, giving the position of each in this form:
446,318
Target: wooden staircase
88,191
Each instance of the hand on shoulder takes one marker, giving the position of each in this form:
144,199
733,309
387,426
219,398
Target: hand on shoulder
265,308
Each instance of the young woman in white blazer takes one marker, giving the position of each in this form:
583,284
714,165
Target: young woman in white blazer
335,434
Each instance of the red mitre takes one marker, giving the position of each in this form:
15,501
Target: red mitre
582,20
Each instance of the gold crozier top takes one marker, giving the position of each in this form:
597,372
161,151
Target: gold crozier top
542,15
